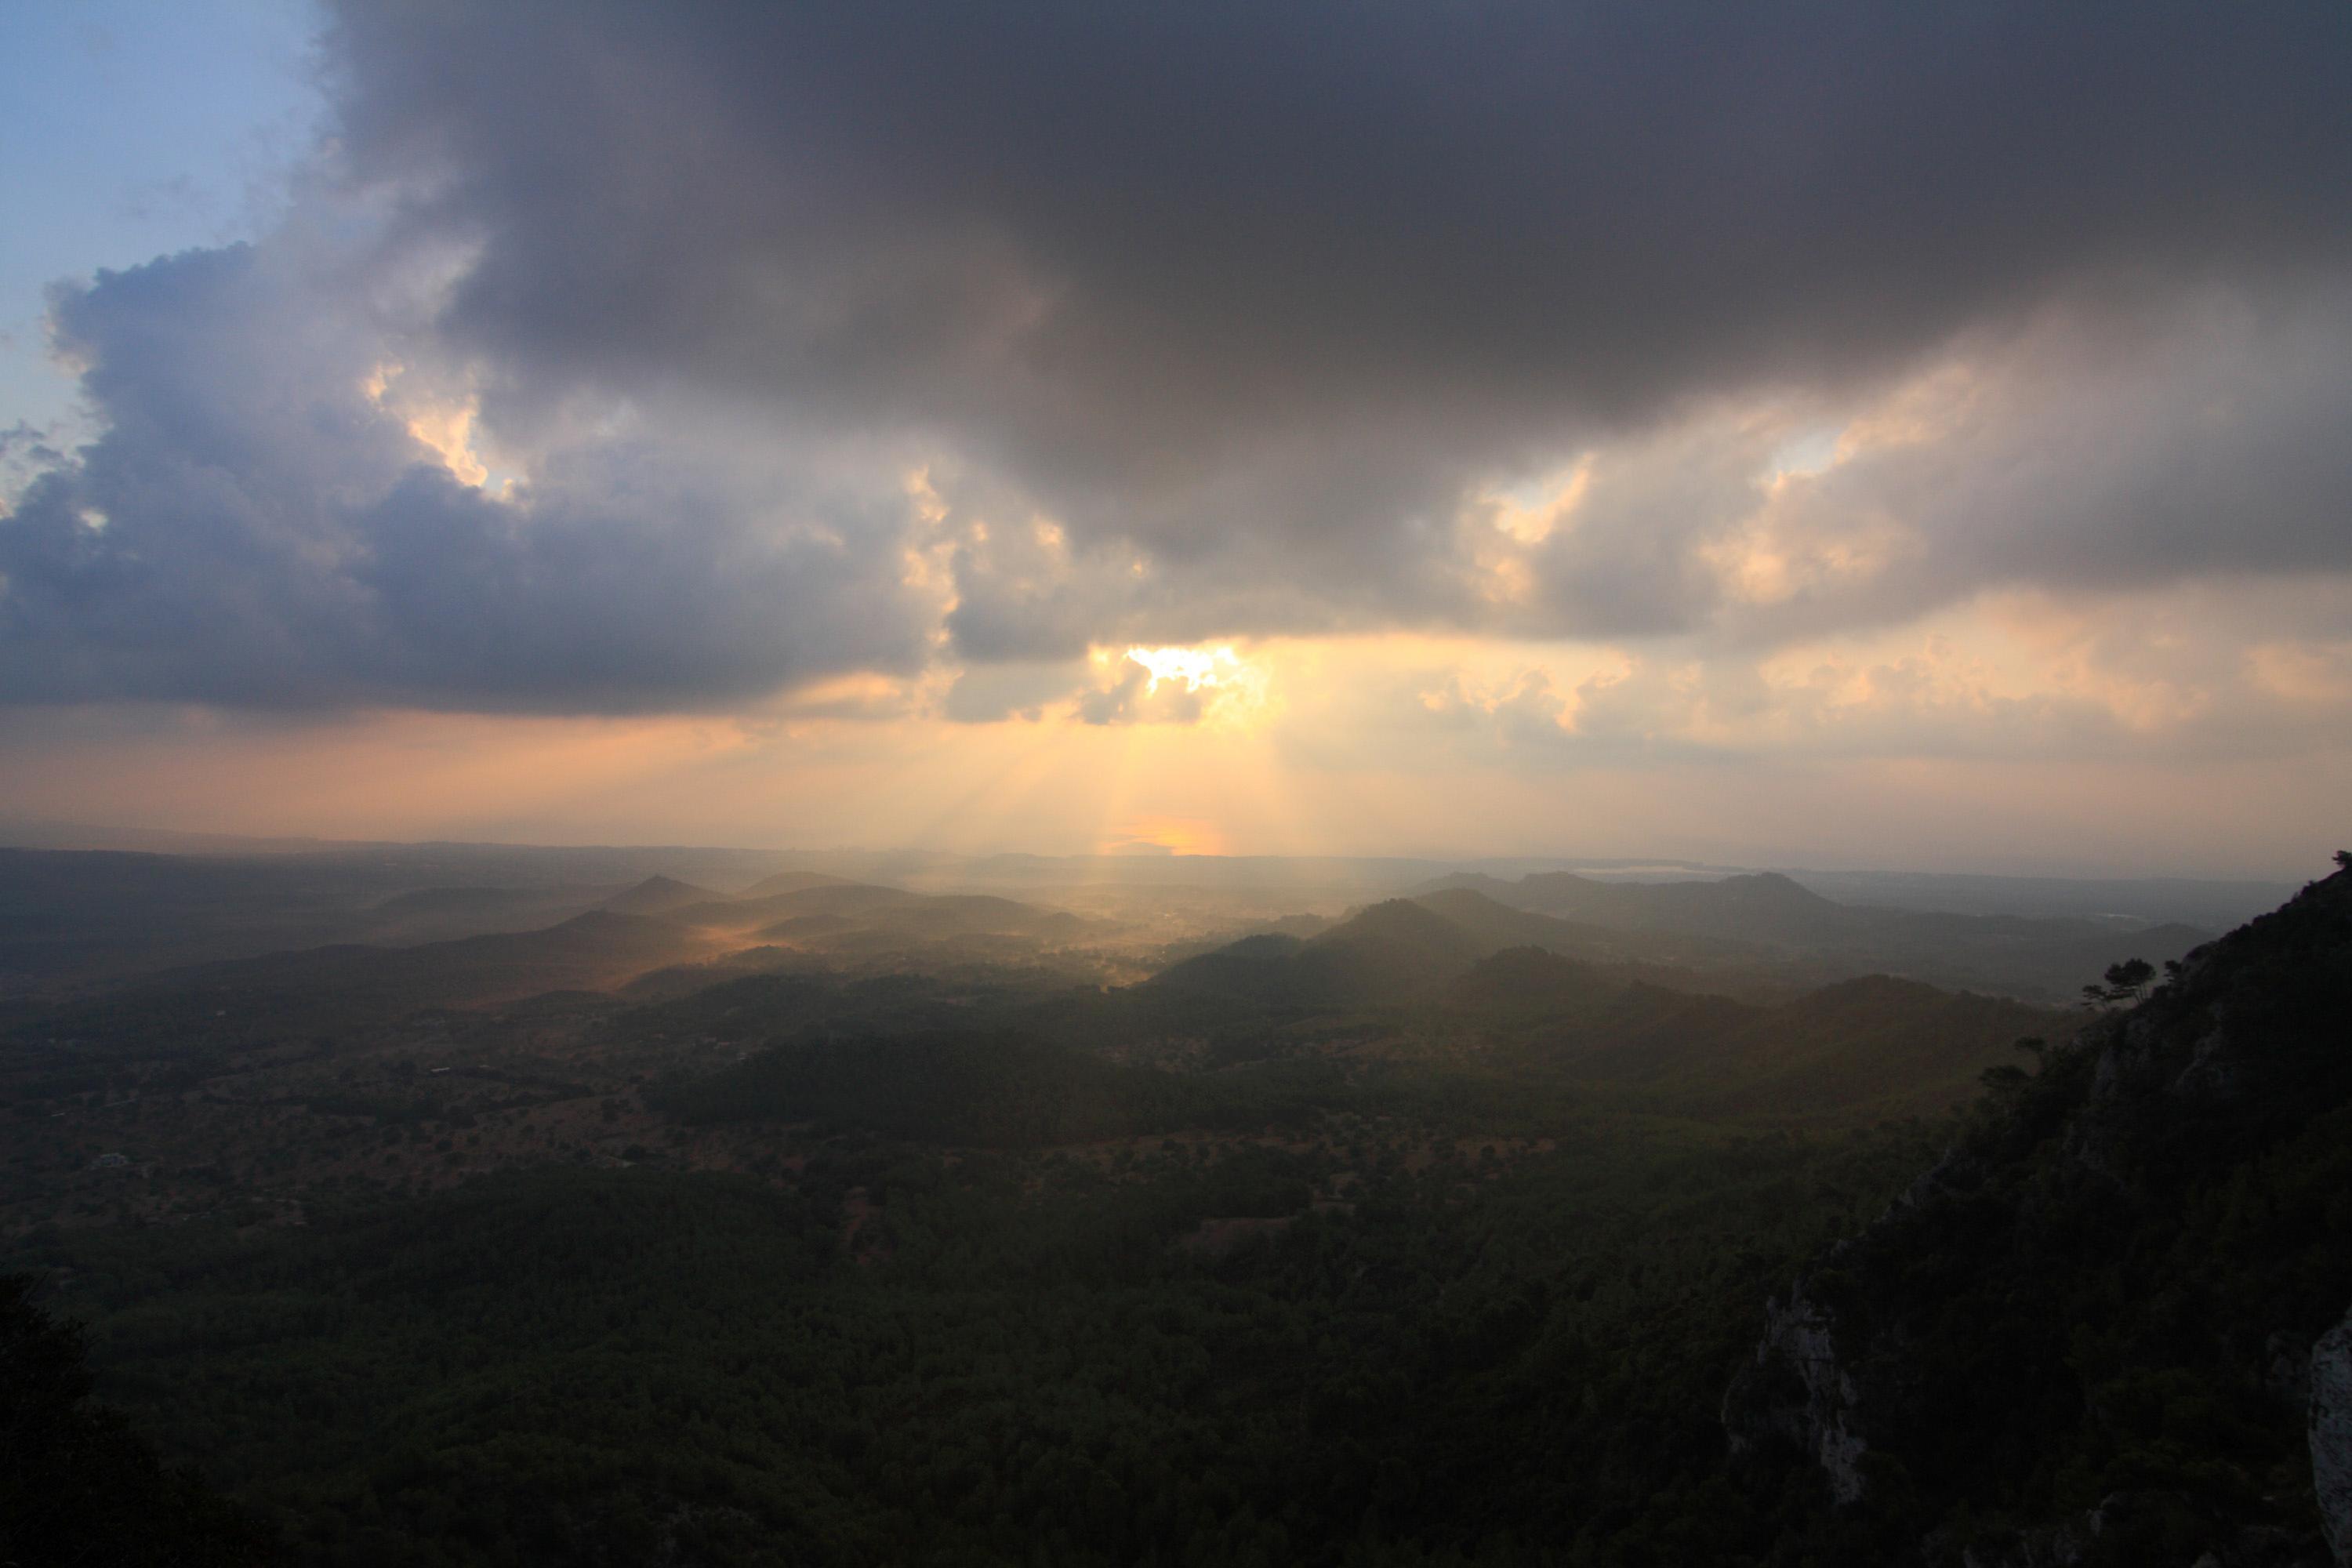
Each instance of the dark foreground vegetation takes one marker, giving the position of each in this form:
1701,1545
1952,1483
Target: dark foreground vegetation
1388,1245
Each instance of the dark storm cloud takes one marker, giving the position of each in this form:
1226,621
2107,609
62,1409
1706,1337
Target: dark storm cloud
1258,304
1265,291
2211,446
1138,231
2217,450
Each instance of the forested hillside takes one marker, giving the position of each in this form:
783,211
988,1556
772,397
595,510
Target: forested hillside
2087,1334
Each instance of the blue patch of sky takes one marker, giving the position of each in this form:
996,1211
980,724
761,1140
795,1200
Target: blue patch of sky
128,130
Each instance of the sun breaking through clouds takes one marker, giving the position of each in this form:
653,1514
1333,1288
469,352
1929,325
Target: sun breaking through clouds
1226,403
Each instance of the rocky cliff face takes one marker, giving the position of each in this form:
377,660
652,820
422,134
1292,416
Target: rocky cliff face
2331,1436
1798,1393
2088,1334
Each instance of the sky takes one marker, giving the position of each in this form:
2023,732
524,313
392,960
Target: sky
1781,434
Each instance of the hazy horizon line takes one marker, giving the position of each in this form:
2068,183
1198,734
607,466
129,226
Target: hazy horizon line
52,834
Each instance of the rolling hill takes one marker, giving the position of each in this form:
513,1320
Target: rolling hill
659,896
790,882
1887,1045
1406,947
324,988
1389,951
864,922
1770,917
1875,1045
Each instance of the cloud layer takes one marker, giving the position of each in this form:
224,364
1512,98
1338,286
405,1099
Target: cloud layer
618,360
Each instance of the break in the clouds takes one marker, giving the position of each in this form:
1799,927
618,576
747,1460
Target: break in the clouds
624,358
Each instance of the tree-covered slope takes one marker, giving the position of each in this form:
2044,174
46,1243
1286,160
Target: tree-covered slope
2088,1329
77,1485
